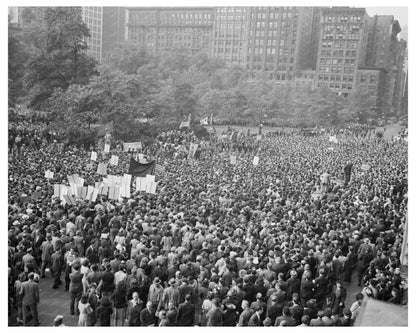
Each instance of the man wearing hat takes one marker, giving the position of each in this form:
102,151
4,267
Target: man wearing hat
274,309
155,293
170,294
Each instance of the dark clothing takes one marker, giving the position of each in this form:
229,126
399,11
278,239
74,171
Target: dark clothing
186,314
147,318
104,313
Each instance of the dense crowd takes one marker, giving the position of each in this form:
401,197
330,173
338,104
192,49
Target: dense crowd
220,244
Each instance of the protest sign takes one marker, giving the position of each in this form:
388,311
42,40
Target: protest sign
48,174
140,184
89,166
113,192
90,191
102,169
93,156
233,159
256,160
106,148
258,137
365,167
192,150
114,160
94,195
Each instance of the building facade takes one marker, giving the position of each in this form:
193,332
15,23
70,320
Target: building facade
229,34
342,46
278,41
93,18
160,29
114,29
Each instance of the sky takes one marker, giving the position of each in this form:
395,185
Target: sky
399,13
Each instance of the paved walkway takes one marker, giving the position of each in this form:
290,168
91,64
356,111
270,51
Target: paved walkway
55,302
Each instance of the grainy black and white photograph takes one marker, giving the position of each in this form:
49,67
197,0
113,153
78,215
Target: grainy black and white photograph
226,165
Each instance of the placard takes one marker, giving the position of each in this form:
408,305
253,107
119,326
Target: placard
106,148
256,160
93,156
132,146
233,159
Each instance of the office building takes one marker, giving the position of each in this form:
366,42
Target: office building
93,17
160,29
342,46
229,34
114,29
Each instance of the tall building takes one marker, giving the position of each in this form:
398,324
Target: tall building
342,46
114,29
278,41
229,34
93,18
160,29
384,50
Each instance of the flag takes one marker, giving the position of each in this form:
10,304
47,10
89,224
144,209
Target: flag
138,169
204,121
233,136
104,129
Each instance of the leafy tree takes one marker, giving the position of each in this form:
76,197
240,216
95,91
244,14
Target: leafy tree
17,57
129,57
63,61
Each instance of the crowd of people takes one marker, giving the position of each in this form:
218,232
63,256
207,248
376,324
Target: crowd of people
219,244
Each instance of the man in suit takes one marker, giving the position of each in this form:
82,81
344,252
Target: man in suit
75,288
30,299
255,319
186,312
46,254
246,314
321,288
147,317
274,310
215,314
58,264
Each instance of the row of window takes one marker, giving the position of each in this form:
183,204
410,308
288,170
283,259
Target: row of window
344,78
337,69
338,53
335,85
228,43
336,61
342,27
342,19
368,78
342,35
340,44
222,35
226,50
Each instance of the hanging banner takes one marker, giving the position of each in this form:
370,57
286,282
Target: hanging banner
132,146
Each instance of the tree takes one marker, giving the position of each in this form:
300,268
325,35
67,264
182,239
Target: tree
63,61
129,57
17,57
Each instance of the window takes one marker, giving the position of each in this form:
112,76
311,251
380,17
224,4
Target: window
372,79
363,78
